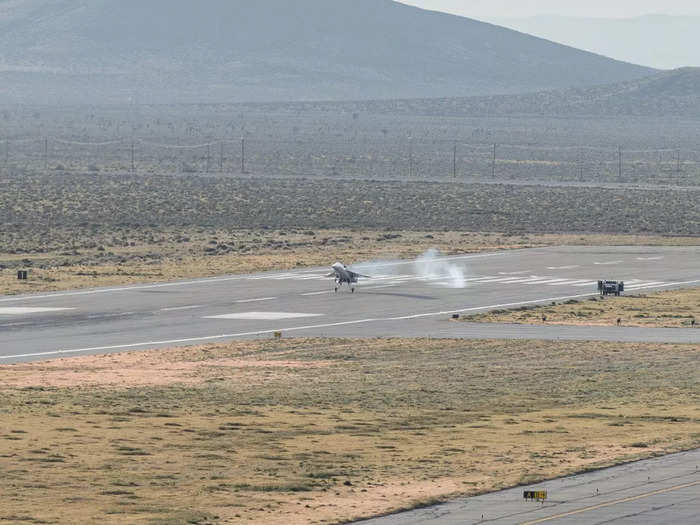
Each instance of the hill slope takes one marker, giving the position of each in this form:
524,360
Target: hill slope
675,41
238,50
670,93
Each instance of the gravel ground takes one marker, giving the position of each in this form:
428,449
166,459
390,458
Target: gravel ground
32,205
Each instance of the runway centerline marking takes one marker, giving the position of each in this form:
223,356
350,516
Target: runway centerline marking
262,316
261,299
311,327
608,263
26,310
178,308
611,503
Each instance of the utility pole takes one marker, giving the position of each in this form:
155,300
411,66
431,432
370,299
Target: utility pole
133,157
221,157
678,161
493,163
454,161
243,155
7,152
208,156
619,161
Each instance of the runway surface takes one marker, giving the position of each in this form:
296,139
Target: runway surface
404,298
650,492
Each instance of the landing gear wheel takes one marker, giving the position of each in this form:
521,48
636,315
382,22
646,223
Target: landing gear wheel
352,290
336,289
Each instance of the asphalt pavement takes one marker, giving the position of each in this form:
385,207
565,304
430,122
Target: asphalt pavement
403,299
663,490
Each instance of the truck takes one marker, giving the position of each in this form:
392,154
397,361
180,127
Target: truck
606,287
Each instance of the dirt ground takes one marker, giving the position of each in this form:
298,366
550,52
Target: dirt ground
668,309
75,259
327,430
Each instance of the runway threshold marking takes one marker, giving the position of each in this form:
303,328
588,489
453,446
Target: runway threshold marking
587,283
310,327
549,281
611,503
643,285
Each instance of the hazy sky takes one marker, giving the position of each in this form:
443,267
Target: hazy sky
620,39
597,8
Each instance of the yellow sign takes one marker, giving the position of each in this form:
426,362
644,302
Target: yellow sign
539,495
278,335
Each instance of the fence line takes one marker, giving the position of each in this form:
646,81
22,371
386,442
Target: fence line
384,157
450,142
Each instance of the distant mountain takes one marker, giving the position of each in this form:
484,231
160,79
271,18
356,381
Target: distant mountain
112,51
670,93
660,41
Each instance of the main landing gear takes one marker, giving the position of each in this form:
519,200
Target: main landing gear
338,286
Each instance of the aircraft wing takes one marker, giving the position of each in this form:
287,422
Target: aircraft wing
360,275
332,274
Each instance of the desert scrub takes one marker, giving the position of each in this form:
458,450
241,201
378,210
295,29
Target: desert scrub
332,429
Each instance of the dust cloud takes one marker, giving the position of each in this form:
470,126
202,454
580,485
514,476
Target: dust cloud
431,267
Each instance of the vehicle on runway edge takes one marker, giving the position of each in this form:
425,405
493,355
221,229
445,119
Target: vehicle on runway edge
343,275
607,287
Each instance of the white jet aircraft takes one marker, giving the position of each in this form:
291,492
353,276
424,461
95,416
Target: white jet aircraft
343,275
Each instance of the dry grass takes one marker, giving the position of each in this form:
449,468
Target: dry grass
321,431
70,259
669,309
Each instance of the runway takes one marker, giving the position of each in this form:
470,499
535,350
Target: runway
403,299
660,490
